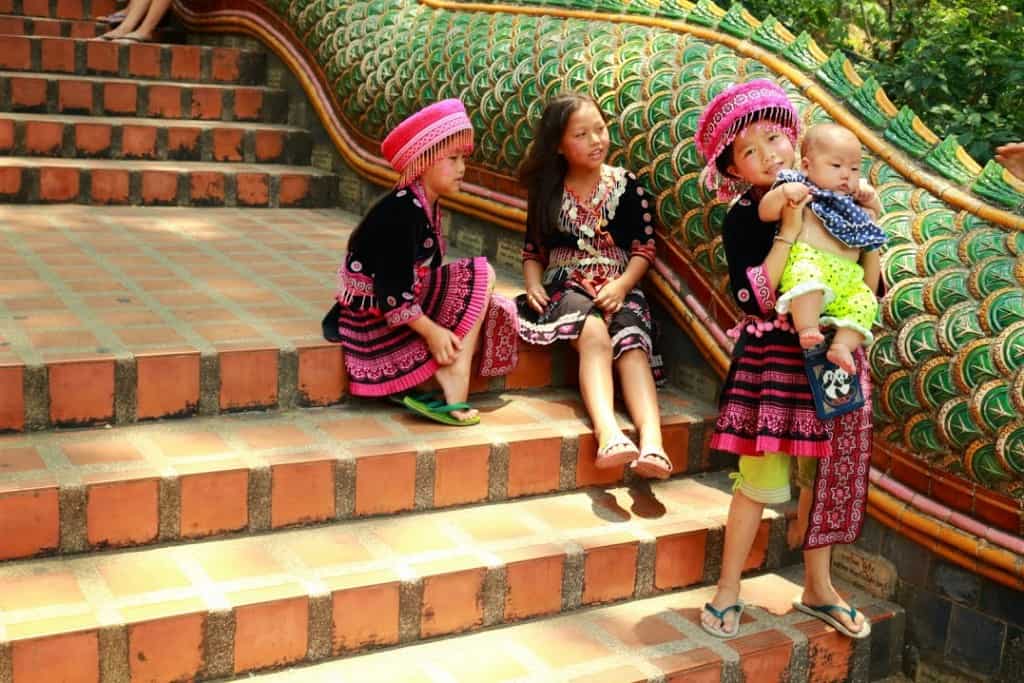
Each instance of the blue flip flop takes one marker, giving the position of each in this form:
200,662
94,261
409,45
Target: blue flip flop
721,614
824,612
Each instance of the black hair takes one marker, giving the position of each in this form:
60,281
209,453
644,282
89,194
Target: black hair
543,170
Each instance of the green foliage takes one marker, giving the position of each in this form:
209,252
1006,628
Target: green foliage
958,63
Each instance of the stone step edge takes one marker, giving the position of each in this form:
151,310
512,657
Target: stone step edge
126,388
45,137
42,180
317,604
635,650
80,512
195,64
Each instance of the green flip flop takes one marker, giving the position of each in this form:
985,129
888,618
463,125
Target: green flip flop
439,412
422,398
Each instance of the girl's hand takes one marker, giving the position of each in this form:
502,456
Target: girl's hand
537,297
792,222
795,193
610,298
443,344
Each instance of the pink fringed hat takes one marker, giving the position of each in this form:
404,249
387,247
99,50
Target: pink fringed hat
420,140
728,114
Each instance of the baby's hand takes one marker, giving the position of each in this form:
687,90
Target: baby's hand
795,192
867,196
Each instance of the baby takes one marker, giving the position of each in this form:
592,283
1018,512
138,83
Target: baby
833,268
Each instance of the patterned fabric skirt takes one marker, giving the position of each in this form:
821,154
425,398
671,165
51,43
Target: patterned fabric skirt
383,360
567,311
766,404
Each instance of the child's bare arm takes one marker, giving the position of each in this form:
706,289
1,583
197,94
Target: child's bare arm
867,197
770,207
872,264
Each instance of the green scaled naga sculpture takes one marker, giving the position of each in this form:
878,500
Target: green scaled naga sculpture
948,362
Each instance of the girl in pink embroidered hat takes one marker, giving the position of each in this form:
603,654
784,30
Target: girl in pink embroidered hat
589,242
747,134
402,315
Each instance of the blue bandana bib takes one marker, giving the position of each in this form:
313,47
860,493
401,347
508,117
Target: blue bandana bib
844,218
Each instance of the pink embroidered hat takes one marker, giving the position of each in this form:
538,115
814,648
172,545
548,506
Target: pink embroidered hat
420,140
728,114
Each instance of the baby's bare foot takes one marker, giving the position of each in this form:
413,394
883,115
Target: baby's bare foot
841,355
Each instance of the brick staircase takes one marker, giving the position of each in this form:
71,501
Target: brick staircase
280,525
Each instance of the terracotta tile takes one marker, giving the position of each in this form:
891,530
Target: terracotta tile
534,587
59,184
185,62
144,60
118,98
248,104
830,652
679,560
110,186
294,189
165,102
532,371
485,661
700,665
227,144
633,626
206,187
461,475
329,548
27,92
452,602
214,502
72,658
533,466
248,379
62,339
58,54
676,439
413,536
167,384
17,54
225,64
122,513
562,644
271,634
162,609
302,492
486,524
70,9
20,459
206,103
12,399
81,392
138,141
772,593
167,649
40,589
98,451
159,187
74,96
29,522
135,573
764,656
275,436
190,443
365,616
240,559
587,473
269,145
322,377
619,674
253,189
385,483
609,573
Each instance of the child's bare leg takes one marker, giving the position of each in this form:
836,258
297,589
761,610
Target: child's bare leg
641,397
806,310
596,384
818,588
740,531
798,529
454,378
154,14
843,345
134,15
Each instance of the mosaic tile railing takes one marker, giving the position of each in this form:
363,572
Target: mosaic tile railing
949,359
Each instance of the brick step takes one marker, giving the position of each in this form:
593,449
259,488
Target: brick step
59,9
52,28
651,640
103,96
103,181
138,485
194,63
103,303
152,139
229,606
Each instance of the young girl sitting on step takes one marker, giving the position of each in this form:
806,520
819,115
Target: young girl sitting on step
747,135
589,242
402,315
